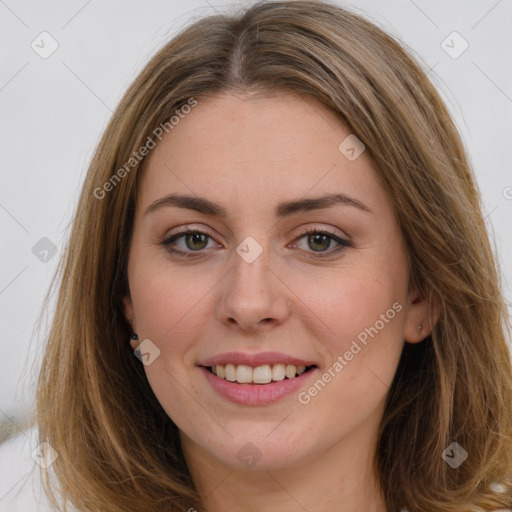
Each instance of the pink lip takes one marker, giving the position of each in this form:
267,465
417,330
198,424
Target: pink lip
255,394
255,359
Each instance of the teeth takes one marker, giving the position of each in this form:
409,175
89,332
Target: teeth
220,371
290,371
245,374
262,374
278,372
230,372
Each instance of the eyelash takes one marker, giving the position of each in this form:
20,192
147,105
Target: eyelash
310,231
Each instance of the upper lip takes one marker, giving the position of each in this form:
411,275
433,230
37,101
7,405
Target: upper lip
254,360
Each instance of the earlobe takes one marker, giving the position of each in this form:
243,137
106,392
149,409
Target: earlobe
128,309
134,341
421,317
129,314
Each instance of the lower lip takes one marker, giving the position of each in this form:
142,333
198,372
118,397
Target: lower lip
255,394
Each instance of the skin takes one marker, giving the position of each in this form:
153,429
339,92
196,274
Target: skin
249,155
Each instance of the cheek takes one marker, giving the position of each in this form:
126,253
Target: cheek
354,300
365,317
169,303
166,302
169,306
365,313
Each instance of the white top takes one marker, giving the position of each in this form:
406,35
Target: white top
21,488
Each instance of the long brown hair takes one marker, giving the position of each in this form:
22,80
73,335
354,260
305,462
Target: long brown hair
118,450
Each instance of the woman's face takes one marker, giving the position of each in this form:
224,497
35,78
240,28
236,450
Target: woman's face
266,287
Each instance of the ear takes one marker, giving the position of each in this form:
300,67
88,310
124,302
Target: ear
421,317
129,314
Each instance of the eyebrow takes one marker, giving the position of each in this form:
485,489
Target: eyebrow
285,209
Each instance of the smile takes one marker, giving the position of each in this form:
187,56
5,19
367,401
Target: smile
253,393
264,374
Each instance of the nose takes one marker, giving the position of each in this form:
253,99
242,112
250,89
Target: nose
254,296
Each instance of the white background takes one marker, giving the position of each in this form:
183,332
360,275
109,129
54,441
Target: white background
54,110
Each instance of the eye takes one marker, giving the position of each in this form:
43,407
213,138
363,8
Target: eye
194,241
320,240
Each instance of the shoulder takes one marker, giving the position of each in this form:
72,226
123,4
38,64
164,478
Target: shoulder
21,488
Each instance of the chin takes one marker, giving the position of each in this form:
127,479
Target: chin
260,453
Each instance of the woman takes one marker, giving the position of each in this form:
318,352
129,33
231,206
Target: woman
336,342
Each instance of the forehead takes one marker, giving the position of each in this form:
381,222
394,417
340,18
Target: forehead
262,149
257,127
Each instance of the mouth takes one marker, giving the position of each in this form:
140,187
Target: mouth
258,375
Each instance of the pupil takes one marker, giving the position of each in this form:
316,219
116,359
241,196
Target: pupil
315,237
195,237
